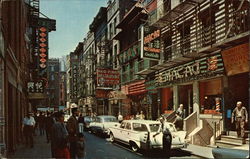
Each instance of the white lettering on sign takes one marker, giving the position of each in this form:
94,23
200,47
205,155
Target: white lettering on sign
178,73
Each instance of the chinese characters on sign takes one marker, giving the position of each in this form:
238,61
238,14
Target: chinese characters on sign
43,47
151,43
202,68
107,77
74,90
236,59
35,87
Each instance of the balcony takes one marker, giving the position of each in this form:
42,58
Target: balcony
146,67
165,13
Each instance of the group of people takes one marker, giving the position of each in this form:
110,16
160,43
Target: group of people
66,139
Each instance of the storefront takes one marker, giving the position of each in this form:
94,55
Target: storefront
236,60
115,100
151,99
136,93
197,85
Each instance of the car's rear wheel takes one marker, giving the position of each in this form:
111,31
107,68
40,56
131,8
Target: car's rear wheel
111,137
134,147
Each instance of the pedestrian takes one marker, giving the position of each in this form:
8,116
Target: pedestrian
41,123
73,129
120,117
240,117
141,116
49,121
80,146
59,138
28,130
166,137
81,122
179,117
137,116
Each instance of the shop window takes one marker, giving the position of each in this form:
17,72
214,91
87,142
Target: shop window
210,96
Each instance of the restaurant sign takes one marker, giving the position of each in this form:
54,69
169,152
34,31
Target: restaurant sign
107,77
151,43
35,86
236,59
130,53
198,69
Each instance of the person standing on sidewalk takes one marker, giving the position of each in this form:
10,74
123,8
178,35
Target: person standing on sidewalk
59,138
81,121
49,121
120,117
240,117
73,129
28,129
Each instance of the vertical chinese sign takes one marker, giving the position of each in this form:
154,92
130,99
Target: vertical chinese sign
43,47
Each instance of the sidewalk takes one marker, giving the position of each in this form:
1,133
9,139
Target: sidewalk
206,152
41,149
201,151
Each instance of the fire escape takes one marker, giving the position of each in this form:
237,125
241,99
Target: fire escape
196,28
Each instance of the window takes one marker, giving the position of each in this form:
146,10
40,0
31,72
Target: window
154,127
139,127
128,126
122,125
110,119
98,120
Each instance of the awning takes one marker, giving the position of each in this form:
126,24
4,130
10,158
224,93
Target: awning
116,95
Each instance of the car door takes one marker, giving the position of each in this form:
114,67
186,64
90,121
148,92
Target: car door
175,138
120,132
126,133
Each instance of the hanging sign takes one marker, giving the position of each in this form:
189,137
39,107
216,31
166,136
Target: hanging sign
150,43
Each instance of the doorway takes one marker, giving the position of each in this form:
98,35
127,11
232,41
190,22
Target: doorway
186,98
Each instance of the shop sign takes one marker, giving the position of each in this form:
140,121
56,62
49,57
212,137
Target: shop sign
101,93
130,53
74,91
150,85
236,59
137,87
198,69
35,87
43,47
151,43
107,77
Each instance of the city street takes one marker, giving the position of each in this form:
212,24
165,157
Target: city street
99,147
150,73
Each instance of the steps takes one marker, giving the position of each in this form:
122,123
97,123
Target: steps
231,140
227,144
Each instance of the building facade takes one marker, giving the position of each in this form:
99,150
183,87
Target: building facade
199,64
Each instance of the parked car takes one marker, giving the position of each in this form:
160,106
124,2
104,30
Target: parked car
86,122
145,134
100,124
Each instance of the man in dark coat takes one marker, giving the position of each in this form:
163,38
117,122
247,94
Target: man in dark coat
73,130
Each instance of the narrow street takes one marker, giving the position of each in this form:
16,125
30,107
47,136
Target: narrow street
99,147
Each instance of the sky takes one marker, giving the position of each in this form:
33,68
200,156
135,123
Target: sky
73,18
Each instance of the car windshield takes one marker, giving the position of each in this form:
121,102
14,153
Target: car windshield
110,119
154,127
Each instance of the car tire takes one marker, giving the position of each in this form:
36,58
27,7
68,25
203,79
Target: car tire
111,137
134,147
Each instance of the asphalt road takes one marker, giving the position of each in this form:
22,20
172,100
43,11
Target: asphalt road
100,148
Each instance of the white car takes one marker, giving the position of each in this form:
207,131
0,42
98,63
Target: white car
146,134
100,124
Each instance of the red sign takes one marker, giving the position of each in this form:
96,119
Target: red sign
43,45
107,77
137,88
101,93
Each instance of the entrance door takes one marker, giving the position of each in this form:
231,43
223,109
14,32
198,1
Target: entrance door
186,98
